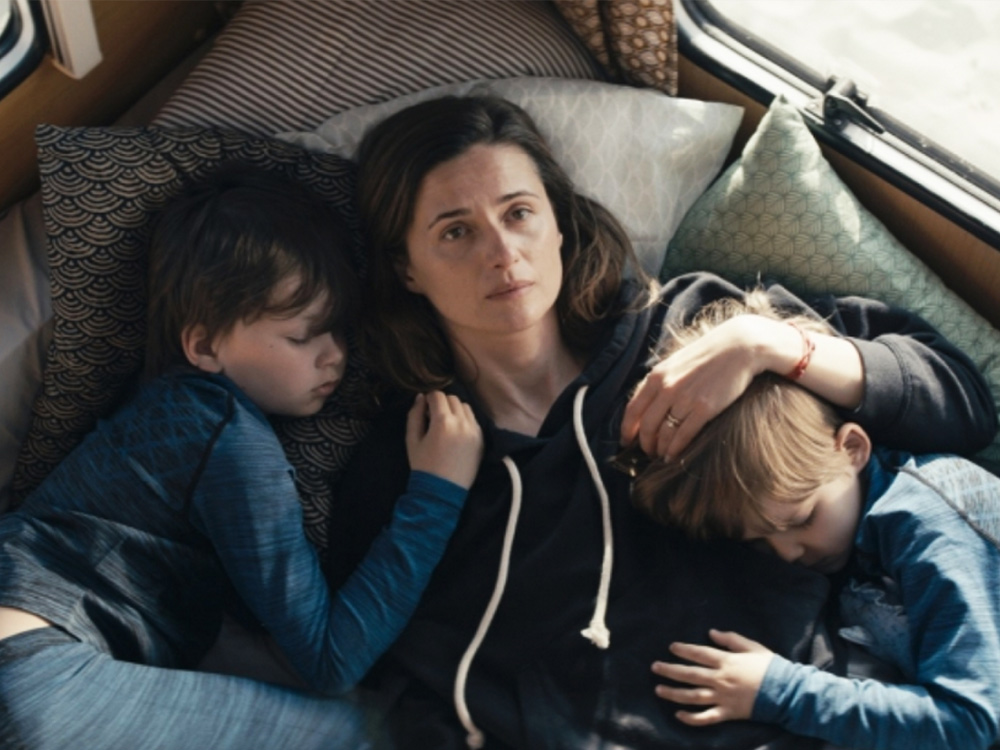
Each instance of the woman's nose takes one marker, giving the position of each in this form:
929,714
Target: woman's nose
503,251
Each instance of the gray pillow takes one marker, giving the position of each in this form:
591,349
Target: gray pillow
643,155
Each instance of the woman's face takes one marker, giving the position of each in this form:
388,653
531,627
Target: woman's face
484,247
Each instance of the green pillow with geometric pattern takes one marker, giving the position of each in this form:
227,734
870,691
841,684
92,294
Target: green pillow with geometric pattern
781,213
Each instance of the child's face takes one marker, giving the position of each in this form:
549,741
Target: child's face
285,365
819,531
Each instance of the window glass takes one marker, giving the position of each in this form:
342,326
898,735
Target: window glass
931,64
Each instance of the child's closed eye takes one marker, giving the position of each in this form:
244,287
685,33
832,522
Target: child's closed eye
805,523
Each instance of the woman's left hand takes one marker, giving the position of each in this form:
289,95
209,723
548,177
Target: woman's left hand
685,390
724,682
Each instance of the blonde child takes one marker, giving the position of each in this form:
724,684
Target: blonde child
916,535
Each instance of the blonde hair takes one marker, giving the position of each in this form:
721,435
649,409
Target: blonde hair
776,442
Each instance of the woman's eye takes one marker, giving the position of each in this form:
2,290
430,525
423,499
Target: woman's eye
520,213
454,233
298,340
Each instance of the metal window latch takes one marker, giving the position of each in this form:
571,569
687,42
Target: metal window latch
843,103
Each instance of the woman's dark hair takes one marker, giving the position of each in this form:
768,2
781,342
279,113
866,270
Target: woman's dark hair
403,336
222,245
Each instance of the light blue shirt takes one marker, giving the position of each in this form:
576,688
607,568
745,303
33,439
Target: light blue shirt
931,527
182,503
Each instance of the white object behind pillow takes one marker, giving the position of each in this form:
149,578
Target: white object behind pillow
644,155
25,315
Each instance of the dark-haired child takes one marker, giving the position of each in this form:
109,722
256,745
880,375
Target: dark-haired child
115,573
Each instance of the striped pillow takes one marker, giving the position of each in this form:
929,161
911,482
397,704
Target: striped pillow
281,66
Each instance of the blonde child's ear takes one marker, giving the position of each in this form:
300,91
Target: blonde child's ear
199,349
853,439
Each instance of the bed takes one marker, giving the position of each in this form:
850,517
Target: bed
292,86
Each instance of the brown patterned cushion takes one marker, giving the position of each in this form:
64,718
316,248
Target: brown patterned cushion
636,40
100,188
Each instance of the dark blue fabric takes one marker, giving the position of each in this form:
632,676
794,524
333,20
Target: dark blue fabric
928,541
60,693
183,503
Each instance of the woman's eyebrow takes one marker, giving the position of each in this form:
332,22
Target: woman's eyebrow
516,194
448,215
505,198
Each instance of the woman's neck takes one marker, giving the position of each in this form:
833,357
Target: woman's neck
519,376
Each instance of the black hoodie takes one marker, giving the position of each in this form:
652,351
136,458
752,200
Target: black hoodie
535,681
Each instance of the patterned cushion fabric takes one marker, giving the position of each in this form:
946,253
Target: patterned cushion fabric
636,41
781,212
287,66
100,189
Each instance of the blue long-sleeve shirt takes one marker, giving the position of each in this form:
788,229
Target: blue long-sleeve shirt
931,526
183,502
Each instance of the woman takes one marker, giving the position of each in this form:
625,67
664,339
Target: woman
494,280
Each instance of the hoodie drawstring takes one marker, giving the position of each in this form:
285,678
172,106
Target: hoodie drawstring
474,739
597,632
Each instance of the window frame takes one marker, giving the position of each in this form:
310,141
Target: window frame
944,182
22,44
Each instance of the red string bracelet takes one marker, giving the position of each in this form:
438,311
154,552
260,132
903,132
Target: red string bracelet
808,347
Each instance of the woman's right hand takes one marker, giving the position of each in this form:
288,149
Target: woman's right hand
684,391
444,438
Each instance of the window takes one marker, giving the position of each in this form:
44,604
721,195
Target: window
910,88
21,42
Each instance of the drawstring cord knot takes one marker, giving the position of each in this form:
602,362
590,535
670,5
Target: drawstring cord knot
597,632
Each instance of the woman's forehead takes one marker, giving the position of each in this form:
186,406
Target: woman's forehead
482,171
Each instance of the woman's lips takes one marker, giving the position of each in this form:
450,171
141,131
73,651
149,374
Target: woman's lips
508,291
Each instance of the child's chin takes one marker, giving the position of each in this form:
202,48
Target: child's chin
829,566
293,412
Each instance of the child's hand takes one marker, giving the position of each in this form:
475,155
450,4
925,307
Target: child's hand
726,682
444,438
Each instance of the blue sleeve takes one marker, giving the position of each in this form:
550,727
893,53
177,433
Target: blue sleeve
866,714
949,577
247,505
